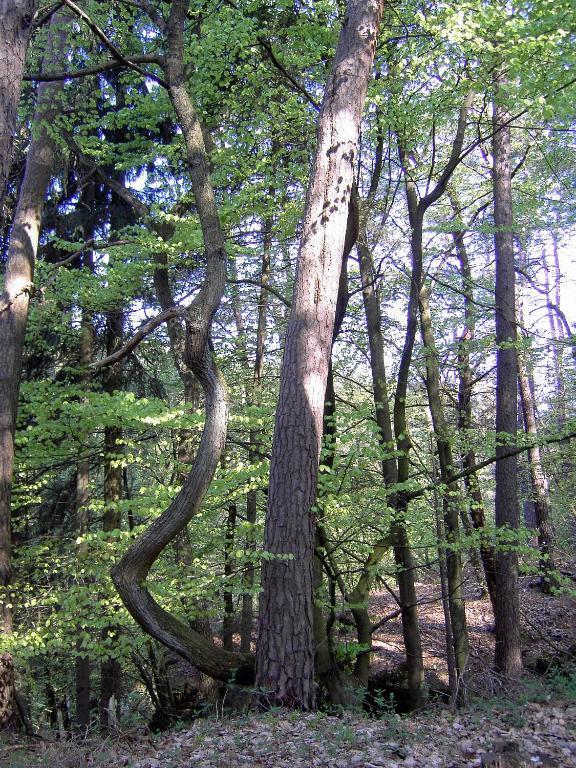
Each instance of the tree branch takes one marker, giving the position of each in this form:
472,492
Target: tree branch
116,53
281,68
268,288
411,495
144,330
50,77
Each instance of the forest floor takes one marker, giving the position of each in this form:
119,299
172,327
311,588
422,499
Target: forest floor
533,725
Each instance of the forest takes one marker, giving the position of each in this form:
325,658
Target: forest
287,383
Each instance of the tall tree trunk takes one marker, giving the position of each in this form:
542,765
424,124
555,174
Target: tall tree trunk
285,653
390,473
444,590
450,499
247,618
538,479
228,623
417,207
18,286
15,27
110,670
556,330
508,657
465,385
82,523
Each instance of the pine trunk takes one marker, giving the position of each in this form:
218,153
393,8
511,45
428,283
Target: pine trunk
285,653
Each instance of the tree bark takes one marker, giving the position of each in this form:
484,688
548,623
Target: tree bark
130,573
508,658
285,652
18,287
398,535
450,500
465,385
15,27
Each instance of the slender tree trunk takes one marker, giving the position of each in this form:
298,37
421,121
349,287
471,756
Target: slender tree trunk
444,590
465,385
110,670
538,479
450,500
390,472
508,656
556,330
18,286
247,618
228,624
82,665
285,653
15,27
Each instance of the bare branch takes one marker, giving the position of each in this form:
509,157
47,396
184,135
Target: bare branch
486,463
291,79
117,54
50,77
144,330
259,284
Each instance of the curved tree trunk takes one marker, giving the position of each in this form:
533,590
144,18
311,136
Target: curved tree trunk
285,655
130,573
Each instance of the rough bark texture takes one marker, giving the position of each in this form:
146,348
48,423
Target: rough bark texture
131,572
15,27
18,287
508,657
285,655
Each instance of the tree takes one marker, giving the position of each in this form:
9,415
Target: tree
16,17
508,657
285,654
18,286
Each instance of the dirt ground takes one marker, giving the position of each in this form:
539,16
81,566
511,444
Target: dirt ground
533,725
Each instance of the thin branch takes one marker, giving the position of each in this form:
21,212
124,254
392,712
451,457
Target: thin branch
144,330
281,68
116,53
50,77
43,15
268,288
411,495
